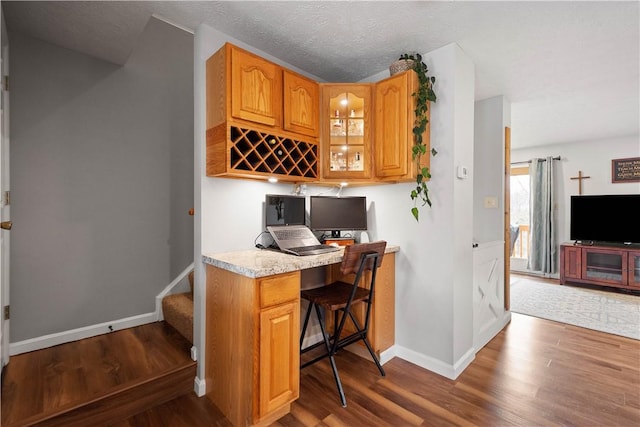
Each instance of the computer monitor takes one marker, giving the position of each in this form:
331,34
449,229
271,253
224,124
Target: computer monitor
284,210
338,214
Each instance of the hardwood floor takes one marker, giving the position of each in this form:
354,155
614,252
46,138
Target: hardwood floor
535,372
92,380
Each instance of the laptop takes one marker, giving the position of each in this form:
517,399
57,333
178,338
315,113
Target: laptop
298,240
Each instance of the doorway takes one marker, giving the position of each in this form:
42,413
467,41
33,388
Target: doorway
520,221
4,197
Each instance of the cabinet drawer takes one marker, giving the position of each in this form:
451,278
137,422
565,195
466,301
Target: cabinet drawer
278,289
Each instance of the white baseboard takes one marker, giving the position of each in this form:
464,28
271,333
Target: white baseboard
359,349
435,365
356,349
388,354
80,333
464,362
199,386
194,353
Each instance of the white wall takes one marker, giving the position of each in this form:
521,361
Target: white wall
94,178
491,117
434,311
434,267
593,158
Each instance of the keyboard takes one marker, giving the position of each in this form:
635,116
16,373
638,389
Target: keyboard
307,248
312,250
292,234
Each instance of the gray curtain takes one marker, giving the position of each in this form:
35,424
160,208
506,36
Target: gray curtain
543,256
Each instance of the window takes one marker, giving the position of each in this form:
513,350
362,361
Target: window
520,211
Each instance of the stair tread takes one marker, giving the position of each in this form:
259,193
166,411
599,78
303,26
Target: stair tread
114,374
185,296
95,405
177,310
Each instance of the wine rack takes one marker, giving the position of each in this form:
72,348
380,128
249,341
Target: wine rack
255,153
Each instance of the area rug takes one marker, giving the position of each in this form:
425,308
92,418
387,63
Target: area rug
610,312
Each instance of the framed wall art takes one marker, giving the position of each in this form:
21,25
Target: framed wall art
625,170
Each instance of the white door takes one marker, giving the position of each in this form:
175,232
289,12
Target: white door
4,199
488,292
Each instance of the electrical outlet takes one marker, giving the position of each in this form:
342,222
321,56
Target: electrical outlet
490,202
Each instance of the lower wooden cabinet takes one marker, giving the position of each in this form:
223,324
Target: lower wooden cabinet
600,265
252,365
252,328
279,348
279,376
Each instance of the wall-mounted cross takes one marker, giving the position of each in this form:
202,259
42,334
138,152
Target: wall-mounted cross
580,178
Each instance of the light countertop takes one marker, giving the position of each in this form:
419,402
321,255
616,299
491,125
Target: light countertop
256,263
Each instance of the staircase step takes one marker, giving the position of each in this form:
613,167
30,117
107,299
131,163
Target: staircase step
121,402
177,310
99,380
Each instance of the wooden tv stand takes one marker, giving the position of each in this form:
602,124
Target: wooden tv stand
614,266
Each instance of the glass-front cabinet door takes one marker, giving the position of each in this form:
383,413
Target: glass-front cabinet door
634,269
346,131
603,265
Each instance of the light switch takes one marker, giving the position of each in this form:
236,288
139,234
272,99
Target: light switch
491,202
462,172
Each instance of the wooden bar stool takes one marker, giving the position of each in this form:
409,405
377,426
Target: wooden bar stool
340,297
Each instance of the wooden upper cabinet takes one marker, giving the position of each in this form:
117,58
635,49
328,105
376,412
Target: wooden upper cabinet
301,104
266,121
245,107
345,126
394,120
256,88
244,86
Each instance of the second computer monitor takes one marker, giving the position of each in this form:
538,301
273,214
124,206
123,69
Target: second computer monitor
336,214
284,210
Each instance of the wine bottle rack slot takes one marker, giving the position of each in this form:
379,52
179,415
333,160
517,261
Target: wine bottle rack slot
254,151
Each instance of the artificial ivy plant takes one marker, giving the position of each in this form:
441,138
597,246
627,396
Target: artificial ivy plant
423,95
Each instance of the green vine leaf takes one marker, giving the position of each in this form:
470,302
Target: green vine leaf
415,212
423,95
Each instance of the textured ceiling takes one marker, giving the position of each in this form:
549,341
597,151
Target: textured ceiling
570,69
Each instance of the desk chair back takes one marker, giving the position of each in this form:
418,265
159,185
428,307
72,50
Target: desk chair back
353,253
338,297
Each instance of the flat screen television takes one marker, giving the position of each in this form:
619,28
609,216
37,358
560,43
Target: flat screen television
336,214
284,210
613,218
